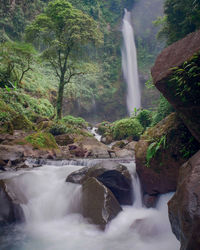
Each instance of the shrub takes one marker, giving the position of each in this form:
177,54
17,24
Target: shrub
58,128
104,128
145,118
164,109
77,121
42,140
128,127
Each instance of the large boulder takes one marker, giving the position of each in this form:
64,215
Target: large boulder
98,202
159,174
184,95
10,209
12,153
184,207
84,173
120,186
64,140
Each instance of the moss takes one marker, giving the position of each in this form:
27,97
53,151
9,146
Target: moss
20,122
42,140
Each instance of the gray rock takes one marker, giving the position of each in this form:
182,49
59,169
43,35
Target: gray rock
83,174
99,204
10,209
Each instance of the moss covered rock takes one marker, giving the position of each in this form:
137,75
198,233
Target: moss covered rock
160,153
176,75
42,140
20,122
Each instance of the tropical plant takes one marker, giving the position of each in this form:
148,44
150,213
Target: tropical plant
153,149
64,31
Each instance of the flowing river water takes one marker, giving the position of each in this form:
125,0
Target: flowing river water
53,221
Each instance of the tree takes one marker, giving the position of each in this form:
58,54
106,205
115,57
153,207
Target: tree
63,30
15,61
181,18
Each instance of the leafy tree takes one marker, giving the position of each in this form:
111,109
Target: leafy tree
64,31
181,18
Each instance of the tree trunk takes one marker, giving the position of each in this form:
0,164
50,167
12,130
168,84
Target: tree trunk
60,98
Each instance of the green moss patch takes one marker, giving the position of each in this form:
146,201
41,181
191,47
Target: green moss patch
42,140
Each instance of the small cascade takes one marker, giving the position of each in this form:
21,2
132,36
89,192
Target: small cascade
53,219
129,65
94,132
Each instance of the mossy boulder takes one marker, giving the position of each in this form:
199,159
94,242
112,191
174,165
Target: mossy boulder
169,145
20,122
42,140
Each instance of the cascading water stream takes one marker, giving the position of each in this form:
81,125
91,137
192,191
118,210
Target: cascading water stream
129,65
53,221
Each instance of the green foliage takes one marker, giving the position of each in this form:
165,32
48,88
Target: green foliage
14,16
144,117
15,61
58,128
181,17
185,81
42,140
127,127
104,127
154,147
63,30
164,109
27,105
75,121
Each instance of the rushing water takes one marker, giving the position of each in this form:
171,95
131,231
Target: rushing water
94,132
53,221
129,64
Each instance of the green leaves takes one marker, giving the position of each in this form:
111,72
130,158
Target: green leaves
182,17
153,149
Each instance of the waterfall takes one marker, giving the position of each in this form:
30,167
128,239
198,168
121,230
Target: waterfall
53,221
129,65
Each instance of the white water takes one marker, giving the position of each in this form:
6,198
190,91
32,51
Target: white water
94,132
129,65
53,221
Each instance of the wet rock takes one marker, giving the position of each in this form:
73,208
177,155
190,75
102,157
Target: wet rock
11,153
77,151
120,186
150,200
130,145
99,204
161,175
119,144
83,174
184,207
107,139
10,210
174,56
124,153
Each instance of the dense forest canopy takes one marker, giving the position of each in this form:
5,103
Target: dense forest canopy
181,18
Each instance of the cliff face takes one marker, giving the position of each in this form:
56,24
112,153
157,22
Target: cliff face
176,74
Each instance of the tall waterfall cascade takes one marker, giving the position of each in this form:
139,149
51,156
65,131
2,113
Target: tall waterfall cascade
54,222
129,65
